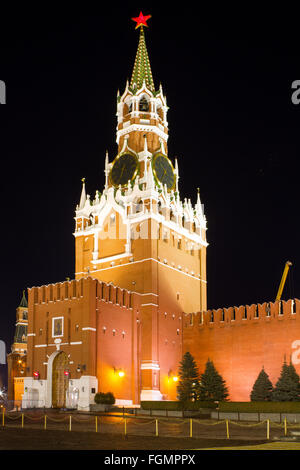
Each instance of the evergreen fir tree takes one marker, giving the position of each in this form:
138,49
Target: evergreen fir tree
287,387
212,386
188,379
295,377
262,388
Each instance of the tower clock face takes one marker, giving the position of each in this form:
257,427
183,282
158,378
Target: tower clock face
125,167
163,170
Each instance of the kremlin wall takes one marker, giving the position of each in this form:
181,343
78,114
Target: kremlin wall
102,334
241,340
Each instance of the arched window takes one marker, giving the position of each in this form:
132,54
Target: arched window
143,105
160,112
139,205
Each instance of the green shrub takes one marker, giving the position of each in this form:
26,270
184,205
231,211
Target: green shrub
161,405
104,398
176,405
261,407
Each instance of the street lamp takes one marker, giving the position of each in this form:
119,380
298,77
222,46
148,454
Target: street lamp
119,372
172,376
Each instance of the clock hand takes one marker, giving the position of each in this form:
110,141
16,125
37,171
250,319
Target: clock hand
122,171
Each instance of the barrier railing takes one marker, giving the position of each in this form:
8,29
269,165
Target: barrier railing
175,427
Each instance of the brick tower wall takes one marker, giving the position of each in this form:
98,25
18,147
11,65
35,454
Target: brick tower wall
103,332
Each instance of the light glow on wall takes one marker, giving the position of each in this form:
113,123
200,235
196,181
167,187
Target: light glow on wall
119,372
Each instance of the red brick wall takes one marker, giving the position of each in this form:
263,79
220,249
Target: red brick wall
240,347
121,328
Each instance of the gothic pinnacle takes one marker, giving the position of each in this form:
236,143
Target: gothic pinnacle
83,195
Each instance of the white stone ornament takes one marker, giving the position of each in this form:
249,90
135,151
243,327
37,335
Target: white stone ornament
57,342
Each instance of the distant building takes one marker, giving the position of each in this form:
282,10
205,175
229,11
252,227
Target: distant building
17,358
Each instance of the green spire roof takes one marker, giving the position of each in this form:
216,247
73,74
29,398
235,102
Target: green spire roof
142,69
23,302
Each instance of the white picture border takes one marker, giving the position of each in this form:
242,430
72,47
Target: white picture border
62,330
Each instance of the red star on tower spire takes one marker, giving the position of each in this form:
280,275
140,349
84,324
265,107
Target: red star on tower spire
141,20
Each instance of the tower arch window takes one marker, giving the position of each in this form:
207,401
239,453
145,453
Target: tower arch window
143,104
160,112
139,205
172,216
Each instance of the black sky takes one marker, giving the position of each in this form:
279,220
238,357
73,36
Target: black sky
232,126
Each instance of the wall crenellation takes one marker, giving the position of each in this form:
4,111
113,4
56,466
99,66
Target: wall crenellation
243,314
70,290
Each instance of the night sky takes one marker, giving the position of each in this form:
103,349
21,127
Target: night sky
232,126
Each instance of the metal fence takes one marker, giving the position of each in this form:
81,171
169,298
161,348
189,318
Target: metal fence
145,426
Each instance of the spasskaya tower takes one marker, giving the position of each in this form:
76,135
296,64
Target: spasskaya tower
137,233
140,266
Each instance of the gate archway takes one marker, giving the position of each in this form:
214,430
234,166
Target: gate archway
59,380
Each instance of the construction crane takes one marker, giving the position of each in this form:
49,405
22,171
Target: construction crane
283,279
